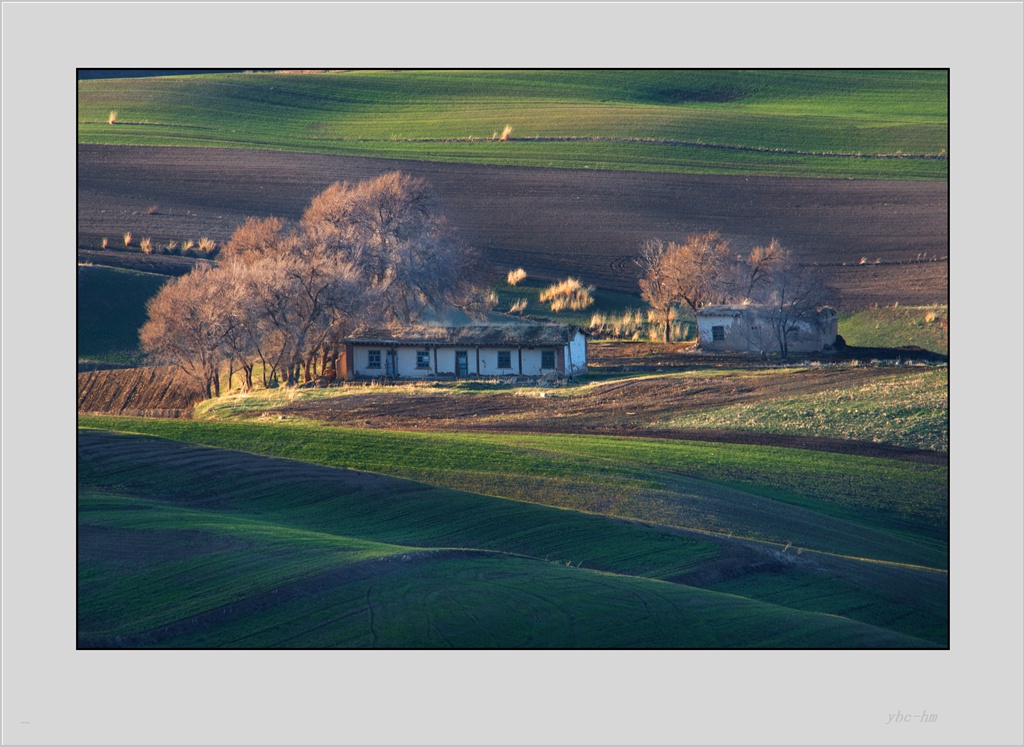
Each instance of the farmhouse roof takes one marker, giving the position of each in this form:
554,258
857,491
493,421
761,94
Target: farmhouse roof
725,309
480,334
739,309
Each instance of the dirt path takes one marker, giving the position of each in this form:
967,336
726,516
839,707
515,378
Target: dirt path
638,407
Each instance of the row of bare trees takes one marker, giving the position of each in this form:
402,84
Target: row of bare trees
284,296
703,270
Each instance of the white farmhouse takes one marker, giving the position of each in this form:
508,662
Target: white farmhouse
756,329
480,350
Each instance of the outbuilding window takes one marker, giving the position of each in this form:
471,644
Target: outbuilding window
547,358
373,359
718,333
504,359
422,359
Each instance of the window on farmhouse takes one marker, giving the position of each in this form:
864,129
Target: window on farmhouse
374,359
547,359
422,359
504,359
718,333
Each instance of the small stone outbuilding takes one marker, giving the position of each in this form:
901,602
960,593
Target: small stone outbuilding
755,329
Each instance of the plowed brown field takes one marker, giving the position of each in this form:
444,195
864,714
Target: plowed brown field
877,241
155,391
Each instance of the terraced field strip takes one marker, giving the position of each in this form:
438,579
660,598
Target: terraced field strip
188,546
871,498
868,123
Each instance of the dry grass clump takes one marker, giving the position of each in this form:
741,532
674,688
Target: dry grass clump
516,276
172,247
637,325
127,238
104,243
568,294
504,134
186,246
207,246
146,245
112,119
518,307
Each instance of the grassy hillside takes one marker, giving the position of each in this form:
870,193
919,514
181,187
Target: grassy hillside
182,545
894,326
904,410
111,309
834,503
862,124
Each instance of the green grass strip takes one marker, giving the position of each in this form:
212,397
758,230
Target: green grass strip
872,124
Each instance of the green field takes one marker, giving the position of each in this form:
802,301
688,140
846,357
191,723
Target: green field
834,503
894,326
903,410
111,308
228,530
872,124
192,546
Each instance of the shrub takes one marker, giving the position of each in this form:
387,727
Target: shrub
186,247
516,276
127,238
172,247
207,246
146,245
568,294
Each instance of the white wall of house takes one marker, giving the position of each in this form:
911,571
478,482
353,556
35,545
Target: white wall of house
403,360
747,331
533,360
732,337
576,355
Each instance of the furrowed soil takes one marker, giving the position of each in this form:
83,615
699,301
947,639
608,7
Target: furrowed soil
153,391
877,242
638,406
633,407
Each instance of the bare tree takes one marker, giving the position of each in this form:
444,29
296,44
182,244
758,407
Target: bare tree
286,297
391,231
255,239
187,322
694,272
700,267
759,267
657,281
792,300
300,303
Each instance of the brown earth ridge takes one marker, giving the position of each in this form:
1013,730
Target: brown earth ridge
877,242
